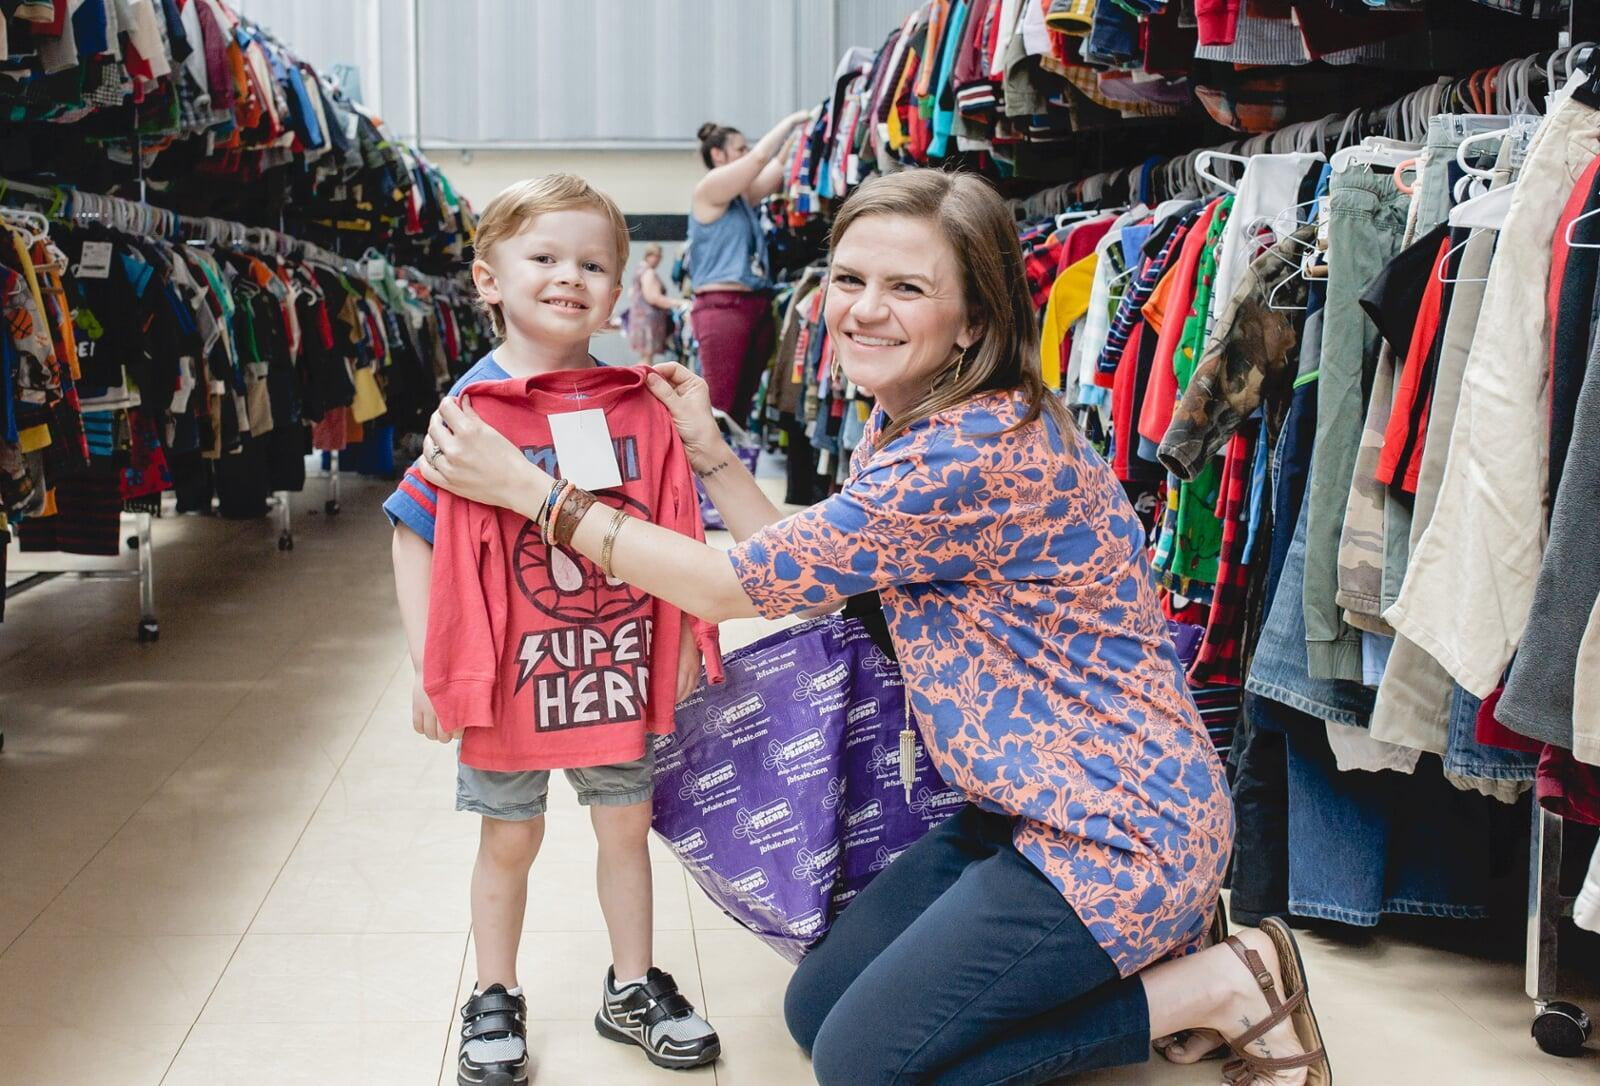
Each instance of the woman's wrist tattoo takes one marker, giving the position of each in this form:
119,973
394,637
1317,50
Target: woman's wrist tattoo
709,472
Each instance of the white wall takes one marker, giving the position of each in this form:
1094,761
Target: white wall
642,182
565,72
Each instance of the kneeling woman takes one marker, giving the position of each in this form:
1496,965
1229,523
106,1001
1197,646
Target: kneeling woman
1043,930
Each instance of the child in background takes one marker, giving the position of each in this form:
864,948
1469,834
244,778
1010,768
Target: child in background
550,257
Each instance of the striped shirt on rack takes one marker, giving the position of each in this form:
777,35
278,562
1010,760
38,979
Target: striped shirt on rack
1145,279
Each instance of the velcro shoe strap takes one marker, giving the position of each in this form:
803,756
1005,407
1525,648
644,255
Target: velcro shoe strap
491,1025
660,986
494,1003
672,1006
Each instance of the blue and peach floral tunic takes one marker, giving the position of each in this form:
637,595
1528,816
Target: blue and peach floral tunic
1013,574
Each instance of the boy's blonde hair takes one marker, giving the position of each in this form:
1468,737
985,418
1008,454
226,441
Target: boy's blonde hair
516,206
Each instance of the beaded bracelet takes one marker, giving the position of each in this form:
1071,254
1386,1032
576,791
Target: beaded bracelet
547,510
612,531
575,504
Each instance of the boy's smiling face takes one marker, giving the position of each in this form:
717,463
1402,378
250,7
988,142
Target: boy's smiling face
557,280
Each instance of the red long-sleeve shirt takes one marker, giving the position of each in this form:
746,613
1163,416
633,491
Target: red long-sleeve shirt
546,662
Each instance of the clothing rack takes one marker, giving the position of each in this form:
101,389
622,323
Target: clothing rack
1559,1028
143,571
1405,119
138,217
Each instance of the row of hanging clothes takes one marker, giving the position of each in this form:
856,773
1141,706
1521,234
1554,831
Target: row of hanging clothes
816,412
220,115
1004,86
147,352
1349,382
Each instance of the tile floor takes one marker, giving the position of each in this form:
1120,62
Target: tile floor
227,858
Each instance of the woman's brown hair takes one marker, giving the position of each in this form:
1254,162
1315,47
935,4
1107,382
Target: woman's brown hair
983,235
713,137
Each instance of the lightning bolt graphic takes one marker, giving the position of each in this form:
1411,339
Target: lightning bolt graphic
529,655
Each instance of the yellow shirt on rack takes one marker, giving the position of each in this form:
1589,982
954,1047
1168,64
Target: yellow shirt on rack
1069,301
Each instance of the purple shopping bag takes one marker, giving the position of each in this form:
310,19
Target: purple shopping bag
780,790
1186,639
749,455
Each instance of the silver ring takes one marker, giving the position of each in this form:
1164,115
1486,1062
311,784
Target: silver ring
433,457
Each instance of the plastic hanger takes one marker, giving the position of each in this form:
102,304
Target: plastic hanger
34,227
1486,212
1272,299
1410,166
1064,219
1572,228
1456,248
1379,151
1202,164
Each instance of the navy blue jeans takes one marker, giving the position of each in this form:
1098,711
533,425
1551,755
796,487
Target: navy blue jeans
963,965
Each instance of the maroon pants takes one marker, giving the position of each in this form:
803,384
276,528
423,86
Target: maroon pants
736,335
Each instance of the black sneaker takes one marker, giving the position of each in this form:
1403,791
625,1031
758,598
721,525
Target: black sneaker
494,1040
656,1017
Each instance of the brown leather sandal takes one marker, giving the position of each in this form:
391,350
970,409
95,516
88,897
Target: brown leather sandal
1296,1008
1217,934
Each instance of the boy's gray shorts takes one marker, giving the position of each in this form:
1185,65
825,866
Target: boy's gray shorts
515,797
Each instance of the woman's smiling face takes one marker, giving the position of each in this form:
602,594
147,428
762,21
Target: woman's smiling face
896,307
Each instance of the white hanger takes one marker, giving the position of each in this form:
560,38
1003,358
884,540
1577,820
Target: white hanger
1486,212
1374,151
1573,226
1202,163
1456,248
32,225
1062,219
1272,299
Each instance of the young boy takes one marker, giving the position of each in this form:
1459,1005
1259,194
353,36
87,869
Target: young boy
550,257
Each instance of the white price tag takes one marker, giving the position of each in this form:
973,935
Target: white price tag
96,261
584,449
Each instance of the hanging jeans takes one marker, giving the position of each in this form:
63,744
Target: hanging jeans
1466,757
1279,669
1259,876
963,965
1364,844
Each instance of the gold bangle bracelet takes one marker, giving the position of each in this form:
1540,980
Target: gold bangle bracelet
610,542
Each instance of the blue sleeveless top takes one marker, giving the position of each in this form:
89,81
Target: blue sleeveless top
731,250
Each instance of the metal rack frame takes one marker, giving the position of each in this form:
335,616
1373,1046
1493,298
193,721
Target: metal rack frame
331,506
1559,1028
149,629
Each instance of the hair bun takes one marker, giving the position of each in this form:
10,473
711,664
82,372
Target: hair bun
707,130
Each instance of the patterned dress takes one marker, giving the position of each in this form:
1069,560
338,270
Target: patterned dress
649,328
1013,576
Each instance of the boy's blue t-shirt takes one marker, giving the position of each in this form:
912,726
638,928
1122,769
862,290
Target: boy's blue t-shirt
414,503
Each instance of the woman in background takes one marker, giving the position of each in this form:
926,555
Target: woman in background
649,308
732,294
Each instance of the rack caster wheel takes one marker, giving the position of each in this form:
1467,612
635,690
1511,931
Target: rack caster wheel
331,507
286,542
149,631
1562,1029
